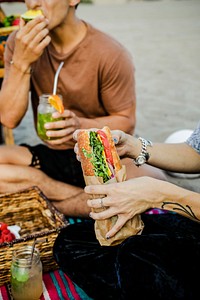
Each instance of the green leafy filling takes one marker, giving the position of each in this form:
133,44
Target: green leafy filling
97,158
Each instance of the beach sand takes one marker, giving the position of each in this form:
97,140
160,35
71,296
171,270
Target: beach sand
164,40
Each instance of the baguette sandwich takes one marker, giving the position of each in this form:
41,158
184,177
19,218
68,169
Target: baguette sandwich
98,154
101,164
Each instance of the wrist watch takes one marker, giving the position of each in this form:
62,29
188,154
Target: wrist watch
144,155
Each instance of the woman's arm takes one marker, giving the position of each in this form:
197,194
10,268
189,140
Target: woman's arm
135,196
172,157
129,198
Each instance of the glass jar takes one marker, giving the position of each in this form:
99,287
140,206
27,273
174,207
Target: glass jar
44,115
26,277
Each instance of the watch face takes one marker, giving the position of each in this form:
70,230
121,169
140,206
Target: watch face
141,160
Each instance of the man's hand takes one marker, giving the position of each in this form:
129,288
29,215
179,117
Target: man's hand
31,40
62,130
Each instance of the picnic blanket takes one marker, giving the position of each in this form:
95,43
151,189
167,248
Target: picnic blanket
56,286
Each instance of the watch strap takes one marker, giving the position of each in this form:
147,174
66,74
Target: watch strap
143,157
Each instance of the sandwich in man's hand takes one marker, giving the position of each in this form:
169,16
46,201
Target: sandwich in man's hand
101,164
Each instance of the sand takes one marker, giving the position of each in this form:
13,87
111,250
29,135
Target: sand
164,40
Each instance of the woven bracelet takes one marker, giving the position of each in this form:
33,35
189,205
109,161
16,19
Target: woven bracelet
16,67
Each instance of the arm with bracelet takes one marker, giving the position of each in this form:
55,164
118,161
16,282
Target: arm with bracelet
136,196
22,49
180,157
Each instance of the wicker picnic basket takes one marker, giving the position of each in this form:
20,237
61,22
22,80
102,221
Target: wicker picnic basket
38,220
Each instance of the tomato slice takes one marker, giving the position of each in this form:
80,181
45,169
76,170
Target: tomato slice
106,145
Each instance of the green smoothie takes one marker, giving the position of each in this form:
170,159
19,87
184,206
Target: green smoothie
42,119
44,115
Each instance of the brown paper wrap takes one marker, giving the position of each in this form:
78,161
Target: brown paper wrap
132,227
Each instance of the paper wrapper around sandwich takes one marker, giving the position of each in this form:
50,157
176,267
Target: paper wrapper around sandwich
132,227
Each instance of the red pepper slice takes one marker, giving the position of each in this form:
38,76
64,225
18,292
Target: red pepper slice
106,145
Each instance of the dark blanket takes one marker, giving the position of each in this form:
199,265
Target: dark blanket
162,263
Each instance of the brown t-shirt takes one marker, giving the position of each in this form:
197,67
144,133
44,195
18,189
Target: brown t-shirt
97,77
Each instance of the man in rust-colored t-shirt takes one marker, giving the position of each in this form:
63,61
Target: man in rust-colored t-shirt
96,80
98,88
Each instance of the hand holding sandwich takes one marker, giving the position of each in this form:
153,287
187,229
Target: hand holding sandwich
101,166
135,196
125,144
124,200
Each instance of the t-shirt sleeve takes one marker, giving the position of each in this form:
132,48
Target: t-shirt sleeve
194,139
118,82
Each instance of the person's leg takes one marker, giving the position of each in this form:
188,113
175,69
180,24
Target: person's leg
15,155
163,262
68,199
91,266
16,174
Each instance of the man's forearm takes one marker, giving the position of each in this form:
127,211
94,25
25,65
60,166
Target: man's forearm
125,123
14,97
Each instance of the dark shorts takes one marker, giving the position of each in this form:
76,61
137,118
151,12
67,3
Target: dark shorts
60,165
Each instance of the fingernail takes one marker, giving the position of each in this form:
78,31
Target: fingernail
90,215
107,237
115,140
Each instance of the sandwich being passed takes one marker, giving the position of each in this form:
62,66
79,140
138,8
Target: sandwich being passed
98,154
101,164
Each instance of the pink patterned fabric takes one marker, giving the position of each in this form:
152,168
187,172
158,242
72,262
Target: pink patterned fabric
56,286
157,211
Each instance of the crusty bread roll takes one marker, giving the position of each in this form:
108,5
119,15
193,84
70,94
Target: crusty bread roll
84,142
